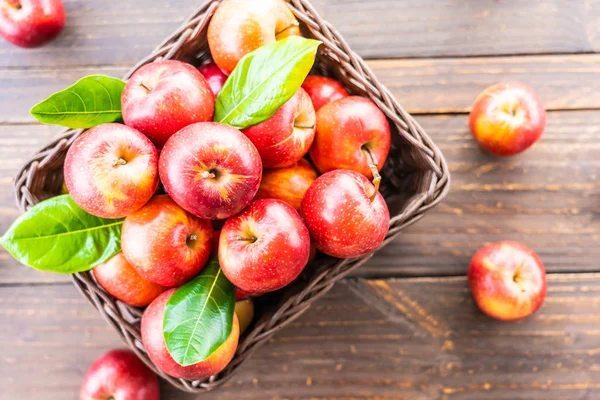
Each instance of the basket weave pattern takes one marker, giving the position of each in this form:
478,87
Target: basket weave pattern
415,178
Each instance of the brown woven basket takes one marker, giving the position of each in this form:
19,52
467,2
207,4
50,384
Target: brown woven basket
415,178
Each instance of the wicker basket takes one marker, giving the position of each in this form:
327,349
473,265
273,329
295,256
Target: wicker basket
415,178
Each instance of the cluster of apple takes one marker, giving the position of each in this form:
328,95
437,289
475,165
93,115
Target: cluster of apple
256,185
507,279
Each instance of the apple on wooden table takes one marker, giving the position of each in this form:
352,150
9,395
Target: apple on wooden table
507,118
508,280
119,375
31,23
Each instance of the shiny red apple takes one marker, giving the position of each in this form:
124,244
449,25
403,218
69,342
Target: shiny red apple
265,247
346,216
154,343
31,23
212,170
239,27
507,118
214,76
508,280
323,90
111,170
352,133
163,97
287,184
119,375
122,281
286,136
164,243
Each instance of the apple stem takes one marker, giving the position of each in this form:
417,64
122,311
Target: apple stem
208,175
304,126
120,161
145,87
251,239
193,237
375,172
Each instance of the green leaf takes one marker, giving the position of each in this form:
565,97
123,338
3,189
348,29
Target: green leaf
56,235
91,101
199,316
264,80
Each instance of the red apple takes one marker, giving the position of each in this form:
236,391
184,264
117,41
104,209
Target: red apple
165,96
31,23
212,170
352,133
119,375
154,343
287,135
111,170
265,247
122,281
240,294
508,280
287,184
164,243
346,216
323,90
214,76
507,118
239,27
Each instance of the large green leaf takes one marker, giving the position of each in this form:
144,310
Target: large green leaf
91,101
199,316
264,80
57,235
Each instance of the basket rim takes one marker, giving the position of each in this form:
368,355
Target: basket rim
433,190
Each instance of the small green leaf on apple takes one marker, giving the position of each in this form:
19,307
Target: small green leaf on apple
56,235
199,316
264,80
91,101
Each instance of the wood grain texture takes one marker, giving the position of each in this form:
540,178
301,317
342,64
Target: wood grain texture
548,198
415,339
421,86
121,32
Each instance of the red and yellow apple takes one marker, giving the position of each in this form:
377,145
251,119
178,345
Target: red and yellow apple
239,27
123,282
507,118
111,170
287,184
214,76
31,23
346,216
212,170
508,280
352,133
286,136
154,343
265,247
323,90
119,375
163,97
164,243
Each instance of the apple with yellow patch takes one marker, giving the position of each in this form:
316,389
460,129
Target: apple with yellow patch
111,170
508,280
507,118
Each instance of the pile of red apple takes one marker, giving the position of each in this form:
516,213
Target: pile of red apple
306,175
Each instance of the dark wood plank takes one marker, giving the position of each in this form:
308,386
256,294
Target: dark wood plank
421,86
547,197
120,33
401,339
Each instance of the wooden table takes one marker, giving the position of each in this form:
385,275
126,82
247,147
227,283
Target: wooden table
404,327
